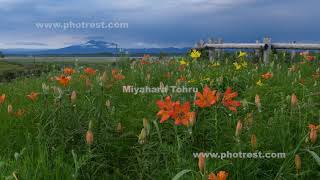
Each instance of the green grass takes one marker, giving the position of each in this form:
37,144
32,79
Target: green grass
5,67
48,141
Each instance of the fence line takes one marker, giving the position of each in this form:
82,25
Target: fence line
216,46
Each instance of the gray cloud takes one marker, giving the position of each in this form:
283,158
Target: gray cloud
160,23
28,43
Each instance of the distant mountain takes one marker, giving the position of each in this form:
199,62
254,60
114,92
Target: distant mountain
94,47
90,47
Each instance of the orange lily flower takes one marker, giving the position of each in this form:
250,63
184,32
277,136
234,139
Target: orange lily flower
146,56
119,77
310,58
313,133
212,176
116,74
68,71
168,75
221,175
181,79
33,96
207,98
166,109
228,101
90,71
2,98
182,114
144,60
267,75
115,71
63,80
20,113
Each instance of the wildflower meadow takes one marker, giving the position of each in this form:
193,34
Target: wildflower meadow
185,118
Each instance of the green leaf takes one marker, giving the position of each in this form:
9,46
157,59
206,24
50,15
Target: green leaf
158,130
181,173
2,163
315,156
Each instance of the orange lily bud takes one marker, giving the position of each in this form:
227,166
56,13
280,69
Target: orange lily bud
108,103
294,100
161,85
88,83
148,77
2,98
142,136
202,162
249,119
73,97
10,109
297,161
192,119
119,128
258,102
238,128
146,125
104,77
253,141
313,133
89,137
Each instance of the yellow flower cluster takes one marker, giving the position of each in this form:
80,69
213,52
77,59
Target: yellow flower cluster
195,54
240,65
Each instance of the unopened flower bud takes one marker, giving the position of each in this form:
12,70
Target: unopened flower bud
89,137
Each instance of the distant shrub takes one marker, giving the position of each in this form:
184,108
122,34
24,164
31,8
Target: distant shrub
163,55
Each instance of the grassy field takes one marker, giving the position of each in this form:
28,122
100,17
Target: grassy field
4,67
83,126
60,59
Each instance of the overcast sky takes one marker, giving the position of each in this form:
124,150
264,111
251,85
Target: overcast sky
158,23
